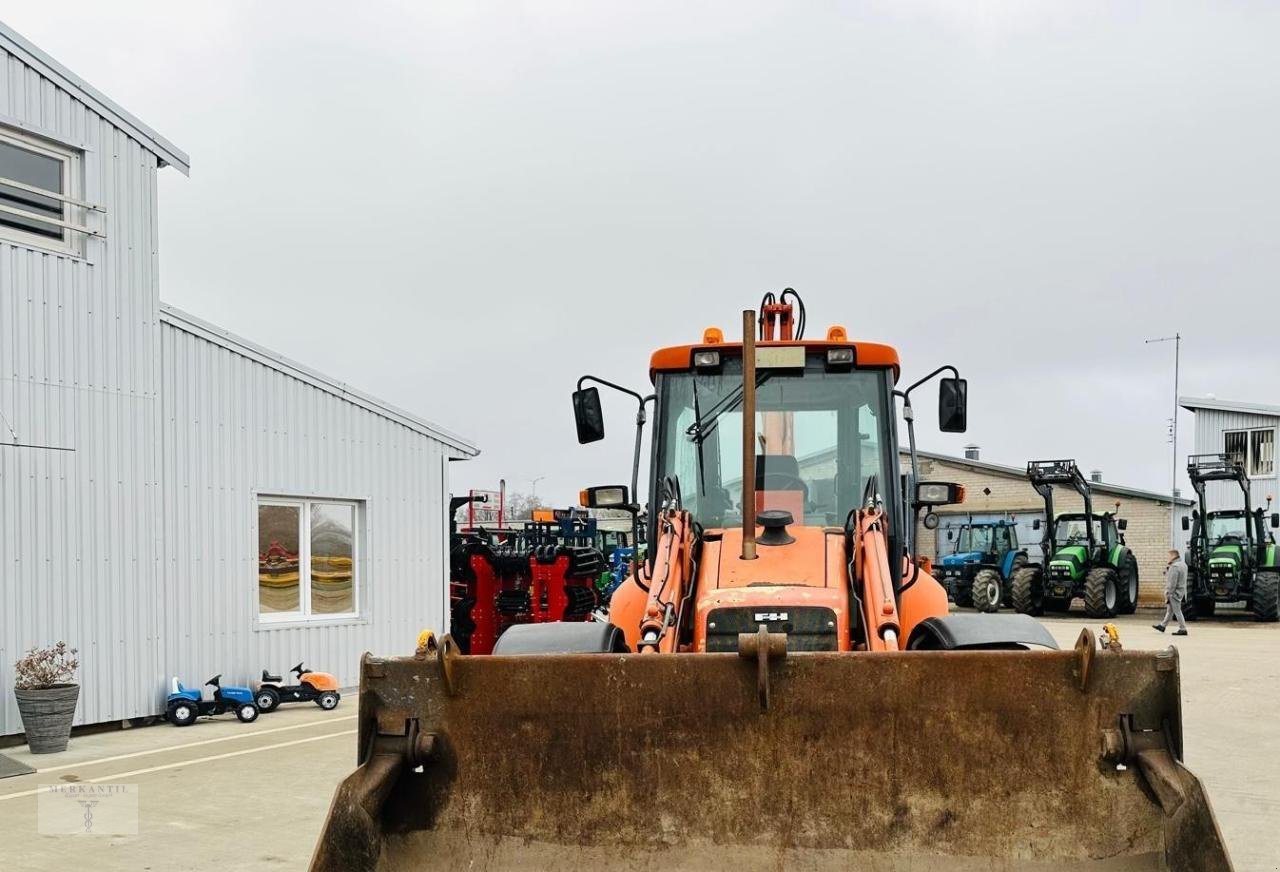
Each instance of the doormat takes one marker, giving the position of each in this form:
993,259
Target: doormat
10,767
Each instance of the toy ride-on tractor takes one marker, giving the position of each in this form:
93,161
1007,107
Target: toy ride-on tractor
979,570
1084,554
318,687
185,704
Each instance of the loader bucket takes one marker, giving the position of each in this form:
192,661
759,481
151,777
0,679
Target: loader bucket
1004,760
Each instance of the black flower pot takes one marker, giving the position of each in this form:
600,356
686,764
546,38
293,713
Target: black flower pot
47,715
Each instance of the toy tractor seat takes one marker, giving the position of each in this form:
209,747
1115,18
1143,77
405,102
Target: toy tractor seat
267,676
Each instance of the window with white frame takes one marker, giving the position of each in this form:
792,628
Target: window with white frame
308,559
1254,449
38,193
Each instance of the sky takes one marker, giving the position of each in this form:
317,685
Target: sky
461,207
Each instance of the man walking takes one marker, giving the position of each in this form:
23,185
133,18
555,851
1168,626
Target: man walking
1175,591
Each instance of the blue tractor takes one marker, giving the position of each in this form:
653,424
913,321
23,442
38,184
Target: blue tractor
984,556
185,704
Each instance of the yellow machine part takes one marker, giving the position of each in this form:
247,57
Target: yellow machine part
764,760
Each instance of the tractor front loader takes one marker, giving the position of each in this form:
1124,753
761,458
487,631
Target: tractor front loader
779,684
1232,555
1085,554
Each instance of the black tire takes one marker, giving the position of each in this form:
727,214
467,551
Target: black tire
1027,591
1266,596
1101,592
987,590
246,712
182,714
962,592
267,698
1127,592
1019,562
1199,607
328,700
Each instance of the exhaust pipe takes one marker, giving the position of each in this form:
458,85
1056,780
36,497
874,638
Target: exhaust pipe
748,434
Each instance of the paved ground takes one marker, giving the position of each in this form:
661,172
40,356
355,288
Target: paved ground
224,795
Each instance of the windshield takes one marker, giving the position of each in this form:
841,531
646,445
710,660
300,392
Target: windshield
974,539
820,436
1074,531
1222,526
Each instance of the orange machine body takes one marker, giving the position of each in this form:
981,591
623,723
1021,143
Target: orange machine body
320,680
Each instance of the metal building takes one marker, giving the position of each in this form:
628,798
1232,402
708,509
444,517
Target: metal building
174,499
1244,431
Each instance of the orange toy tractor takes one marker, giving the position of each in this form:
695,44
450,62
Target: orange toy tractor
779,685
318,687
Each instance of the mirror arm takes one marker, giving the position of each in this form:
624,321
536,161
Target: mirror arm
909,535
955,373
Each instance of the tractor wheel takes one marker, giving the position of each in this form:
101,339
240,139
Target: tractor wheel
1028,591
1128,589
1266,596
182,714
327,700
987,591
1019,561
247,712
1101,592
267,698
962,593
1196,607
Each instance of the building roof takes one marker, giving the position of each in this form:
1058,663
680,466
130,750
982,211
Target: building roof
1192,404
191,324
1021,472
16,44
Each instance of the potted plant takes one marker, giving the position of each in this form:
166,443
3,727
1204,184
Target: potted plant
47,697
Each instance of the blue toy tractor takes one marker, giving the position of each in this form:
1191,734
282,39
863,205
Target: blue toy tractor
185,704
980,567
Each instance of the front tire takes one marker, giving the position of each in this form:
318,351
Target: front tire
962,592
247,712
268,699
327,700
1128,589
1101,592
1027,591
987,590
1266,596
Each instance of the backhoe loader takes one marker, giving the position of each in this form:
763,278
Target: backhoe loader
779,684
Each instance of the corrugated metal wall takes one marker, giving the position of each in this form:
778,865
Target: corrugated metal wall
79,368
1210,425
235,428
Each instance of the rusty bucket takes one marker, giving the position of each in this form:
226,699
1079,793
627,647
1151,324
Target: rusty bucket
1004,760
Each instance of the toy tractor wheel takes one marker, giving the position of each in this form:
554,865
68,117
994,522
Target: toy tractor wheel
267,698
987,590
327,700
1028,591
1128,585
1266,596
1101,592
247,712
182,714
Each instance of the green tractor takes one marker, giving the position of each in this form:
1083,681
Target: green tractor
1232,556
1084,554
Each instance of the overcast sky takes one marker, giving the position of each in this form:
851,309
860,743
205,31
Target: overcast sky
460,207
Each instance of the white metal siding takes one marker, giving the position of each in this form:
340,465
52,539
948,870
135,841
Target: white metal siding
79,368
1210,427
235,428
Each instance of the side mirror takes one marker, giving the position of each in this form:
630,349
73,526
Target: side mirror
612,496
953,405
588,416
1122,525
1035,524
950,535
1275,519
939,493
1186,523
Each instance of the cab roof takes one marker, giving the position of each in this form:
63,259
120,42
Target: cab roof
866,355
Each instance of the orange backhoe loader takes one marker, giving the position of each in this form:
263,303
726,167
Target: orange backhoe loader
780,684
